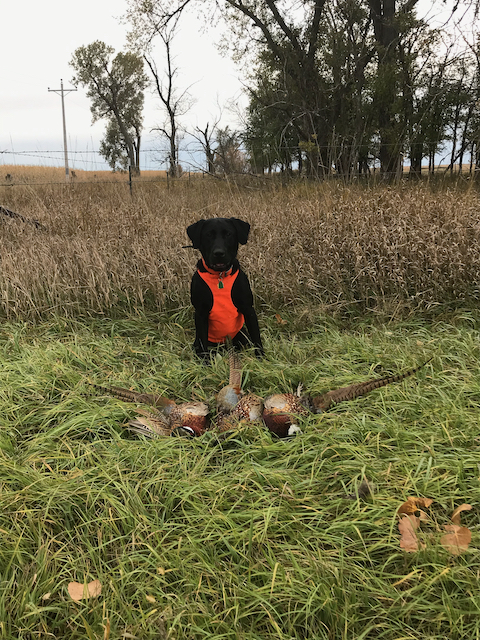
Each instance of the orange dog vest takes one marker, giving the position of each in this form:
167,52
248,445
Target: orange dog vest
224,318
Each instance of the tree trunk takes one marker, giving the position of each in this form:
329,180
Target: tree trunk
383,13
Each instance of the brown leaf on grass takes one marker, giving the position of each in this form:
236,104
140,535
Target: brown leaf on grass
458,511
79,591
407,526
279,319
459,537
456,541
414,505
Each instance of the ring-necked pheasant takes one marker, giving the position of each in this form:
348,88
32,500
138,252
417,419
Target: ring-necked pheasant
233,405
282,409
187,418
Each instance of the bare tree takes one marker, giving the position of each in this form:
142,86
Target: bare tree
229,157
206,138
145,30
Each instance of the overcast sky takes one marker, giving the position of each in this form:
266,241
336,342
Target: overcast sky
36,45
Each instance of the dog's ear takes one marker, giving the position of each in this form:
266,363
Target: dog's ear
242,228
194,232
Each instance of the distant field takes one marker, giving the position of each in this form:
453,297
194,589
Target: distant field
18,174
25,174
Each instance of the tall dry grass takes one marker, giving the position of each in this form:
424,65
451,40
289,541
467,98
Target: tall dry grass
106,251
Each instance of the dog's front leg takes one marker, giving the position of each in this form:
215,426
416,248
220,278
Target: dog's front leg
202,300
200,345
251,322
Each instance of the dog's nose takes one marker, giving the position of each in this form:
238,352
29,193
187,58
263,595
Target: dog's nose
219,255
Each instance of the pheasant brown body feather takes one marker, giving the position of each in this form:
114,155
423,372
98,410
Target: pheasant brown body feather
149,425
248,409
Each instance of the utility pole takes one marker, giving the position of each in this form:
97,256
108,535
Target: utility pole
63,92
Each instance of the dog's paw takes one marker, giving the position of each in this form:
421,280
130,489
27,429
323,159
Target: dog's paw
204,356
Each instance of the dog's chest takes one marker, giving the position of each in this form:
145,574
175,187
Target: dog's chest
224,317
220,284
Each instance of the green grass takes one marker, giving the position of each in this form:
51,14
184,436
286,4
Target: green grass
251,537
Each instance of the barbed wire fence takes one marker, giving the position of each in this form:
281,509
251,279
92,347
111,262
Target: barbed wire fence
89,161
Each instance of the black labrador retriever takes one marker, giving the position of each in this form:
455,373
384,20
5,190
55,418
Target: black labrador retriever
220,291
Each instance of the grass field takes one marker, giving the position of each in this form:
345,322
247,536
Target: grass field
251,537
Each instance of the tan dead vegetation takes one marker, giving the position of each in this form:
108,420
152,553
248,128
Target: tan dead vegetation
23,174
106,251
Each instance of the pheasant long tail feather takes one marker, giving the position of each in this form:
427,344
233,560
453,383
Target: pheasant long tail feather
235,379
151,399
360,389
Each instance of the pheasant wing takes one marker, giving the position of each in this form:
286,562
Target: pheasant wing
149,426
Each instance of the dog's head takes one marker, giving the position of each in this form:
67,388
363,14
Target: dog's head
218,240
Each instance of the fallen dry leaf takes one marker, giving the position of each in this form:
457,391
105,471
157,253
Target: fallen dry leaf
279,319
414,504
150,599
456,541
458,511
46,596
407,526
79,591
